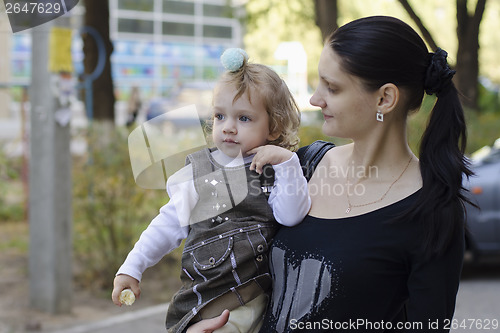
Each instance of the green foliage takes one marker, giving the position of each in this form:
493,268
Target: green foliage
14,238
489,100
11,211
11,198
310,133
110,210
482,129
417,123
17,242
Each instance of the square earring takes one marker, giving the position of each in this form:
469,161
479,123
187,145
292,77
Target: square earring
380,116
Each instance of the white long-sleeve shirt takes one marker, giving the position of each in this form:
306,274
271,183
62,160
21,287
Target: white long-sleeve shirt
289,201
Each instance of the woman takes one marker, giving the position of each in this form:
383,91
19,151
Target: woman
382,246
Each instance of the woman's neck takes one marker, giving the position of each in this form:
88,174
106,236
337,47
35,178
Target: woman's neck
382,149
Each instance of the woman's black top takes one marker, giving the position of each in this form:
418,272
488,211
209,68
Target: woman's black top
363,273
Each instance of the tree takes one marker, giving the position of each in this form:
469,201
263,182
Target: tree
423,30
97,17
326,16
467,65
468,51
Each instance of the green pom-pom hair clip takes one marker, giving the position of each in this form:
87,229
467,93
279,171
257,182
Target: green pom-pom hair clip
232,59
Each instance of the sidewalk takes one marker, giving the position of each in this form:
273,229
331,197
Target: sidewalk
148,320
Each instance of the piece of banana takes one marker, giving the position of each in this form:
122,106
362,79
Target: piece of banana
127,297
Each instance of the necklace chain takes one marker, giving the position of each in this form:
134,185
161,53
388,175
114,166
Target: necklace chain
350,206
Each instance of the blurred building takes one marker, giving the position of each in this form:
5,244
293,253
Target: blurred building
159,45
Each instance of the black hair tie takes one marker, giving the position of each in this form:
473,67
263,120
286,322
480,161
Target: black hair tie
439,74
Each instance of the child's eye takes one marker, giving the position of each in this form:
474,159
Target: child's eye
244,118
218,116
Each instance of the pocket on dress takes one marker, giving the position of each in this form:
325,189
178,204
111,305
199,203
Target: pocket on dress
213,254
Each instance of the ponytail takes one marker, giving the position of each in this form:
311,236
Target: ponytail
442,161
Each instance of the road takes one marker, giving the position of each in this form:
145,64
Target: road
478,299
149,320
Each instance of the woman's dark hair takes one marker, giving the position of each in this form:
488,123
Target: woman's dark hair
381,50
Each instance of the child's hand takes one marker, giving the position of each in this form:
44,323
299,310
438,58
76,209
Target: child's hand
121,282
268,154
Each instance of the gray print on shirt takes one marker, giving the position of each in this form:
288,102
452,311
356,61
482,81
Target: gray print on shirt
299,289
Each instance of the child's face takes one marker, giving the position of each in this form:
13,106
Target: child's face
241,126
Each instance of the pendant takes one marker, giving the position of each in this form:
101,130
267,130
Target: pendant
348,210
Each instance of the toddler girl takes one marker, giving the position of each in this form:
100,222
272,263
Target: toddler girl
228,202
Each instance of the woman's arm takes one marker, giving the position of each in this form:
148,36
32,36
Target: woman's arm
433,286
209,325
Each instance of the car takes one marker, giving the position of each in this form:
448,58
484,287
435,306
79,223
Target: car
483,235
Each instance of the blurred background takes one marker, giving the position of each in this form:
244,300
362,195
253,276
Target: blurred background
69,100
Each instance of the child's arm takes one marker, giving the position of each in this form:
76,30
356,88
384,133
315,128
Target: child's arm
268,154
165,233
289,198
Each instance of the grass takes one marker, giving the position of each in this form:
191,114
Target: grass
14,237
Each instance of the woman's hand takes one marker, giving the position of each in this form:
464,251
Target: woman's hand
209,325
268,154
121,282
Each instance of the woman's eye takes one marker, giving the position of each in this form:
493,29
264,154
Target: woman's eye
331,89
244,118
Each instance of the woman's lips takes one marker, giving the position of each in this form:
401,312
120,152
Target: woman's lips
326,117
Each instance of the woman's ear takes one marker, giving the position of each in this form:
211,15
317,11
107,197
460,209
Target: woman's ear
388,98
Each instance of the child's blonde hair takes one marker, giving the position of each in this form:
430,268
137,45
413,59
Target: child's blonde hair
284,114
